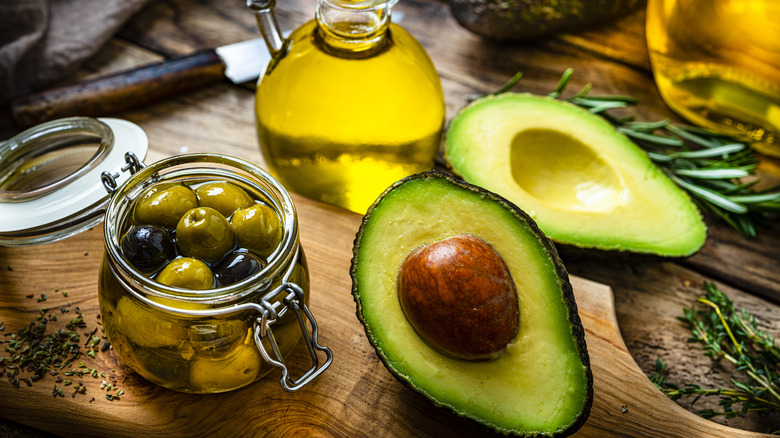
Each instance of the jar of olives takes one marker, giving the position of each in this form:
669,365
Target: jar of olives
204,286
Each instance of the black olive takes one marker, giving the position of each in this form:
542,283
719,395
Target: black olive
148,247
238,265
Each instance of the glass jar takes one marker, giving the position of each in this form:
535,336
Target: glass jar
349,104
717,63
204,341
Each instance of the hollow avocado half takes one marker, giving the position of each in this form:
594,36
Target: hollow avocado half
541,382
584,183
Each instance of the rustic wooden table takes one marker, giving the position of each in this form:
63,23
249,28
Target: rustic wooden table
360,398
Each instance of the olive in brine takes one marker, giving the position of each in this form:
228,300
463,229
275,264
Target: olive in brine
222,196
240,367
257,228
213,339
204,233
187,273
164,205
144,328
238,266
148,247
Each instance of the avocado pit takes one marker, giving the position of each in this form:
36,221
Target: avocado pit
459,296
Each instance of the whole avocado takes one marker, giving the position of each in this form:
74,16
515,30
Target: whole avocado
519,20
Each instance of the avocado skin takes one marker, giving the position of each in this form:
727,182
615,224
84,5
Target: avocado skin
568,297
521,20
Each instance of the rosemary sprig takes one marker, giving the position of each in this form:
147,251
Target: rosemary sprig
708,165
731,334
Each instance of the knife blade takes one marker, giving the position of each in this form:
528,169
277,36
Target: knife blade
239,62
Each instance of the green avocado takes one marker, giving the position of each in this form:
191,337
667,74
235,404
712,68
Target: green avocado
584,183
540,383
518,20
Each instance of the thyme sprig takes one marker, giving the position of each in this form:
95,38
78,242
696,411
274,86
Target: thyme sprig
708,165
730,334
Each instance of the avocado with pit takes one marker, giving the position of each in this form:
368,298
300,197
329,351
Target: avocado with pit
520,20
467,302
584,183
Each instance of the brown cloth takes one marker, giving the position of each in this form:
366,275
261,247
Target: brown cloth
42,41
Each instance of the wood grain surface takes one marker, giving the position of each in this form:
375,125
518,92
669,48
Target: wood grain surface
362,399
356,397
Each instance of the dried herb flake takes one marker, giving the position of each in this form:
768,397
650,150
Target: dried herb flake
34,350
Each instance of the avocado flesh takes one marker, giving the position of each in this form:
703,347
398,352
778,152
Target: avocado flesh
583,183
541,383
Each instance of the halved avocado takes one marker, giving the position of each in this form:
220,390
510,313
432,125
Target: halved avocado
584,183
541,382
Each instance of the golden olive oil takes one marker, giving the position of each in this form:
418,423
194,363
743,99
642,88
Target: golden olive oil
717,63
339,123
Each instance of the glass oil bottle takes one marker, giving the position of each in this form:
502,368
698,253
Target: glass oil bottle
349,104
717,63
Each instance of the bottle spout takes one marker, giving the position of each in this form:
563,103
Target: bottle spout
268,25
354,26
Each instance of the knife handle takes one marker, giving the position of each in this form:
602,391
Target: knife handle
120,91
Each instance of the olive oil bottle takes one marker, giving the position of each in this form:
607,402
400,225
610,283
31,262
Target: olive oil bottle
717,63
349,104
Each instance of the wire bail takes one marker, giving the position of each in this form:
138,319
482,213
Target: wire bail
132,164
294,301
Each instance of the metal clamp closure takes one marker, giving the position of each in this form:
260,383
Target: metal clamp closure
294,301
132,163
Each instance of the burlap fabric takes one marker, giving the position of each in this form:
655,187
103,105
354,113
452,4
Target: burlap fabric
42,41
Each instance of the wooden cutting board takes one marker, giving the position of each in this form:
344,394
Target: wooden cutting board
356,397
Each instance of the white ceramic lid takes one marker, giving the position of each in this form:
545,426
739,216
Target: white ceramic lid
78,201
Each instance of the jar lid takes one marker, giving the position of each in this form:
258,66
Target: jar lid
50,176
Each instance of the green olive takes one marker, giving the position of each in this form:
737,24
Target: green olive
235,369
187,273
204,233
214,338
258,229
223,197
143,327
163,205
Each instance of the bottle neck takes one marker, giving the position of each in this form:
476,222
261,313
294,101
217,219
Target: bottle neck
268,25
354,28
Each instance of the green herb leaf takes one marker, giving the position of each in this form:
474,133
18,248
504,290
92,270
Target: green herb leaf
712,173
707,164
711,196
714,152
512,82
